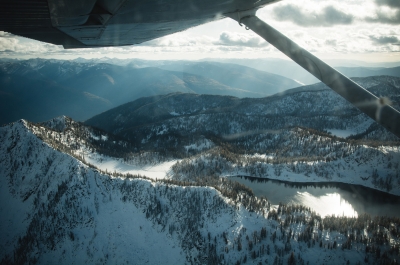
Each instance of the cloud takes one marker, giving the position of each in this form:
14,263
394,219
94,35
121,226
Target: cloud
231,39
10,43
386,16
390,3
7,44
386,12
4,34
331,42
164,42
383,40
326,17
241,40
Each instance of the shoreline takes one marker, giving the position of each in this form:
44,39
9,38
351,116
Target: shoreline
315,184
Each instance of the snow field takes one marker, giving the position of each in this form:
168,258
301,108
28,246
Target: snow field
78,215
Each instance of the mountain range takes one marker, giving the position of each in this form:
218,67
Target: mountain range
291,70
259,82
282,67
41,89
314,106
149,181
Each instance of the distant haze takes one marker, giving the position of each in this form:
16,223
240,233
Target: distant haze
358,31
39,89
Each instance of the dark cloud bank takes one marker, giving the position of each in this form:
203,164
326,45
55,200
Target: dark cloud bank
382,40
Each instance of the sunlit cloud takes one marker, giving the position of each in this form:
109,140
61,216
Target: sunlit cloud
235,39
327,27
178,40
10,43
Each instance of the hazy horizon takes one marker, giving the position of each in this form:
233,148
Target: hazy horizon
352,30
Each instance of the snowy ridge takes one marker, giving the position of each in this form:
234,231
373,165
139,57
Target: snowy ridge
56,209
102,150
60,197
295,155
300,156
59,123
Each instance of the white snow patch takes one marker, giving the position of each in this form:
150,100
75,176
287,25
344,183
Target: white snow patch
263,156
205,144
94,137
111,165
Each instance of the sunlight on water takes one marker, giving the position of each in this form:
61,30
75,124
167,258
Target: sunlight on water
340,200
328,204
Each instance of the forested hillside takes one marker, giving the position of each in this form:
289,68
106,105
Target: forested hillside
72,213
314,106
309,134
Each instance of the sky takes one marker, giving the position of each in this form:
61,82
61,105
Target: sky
363,30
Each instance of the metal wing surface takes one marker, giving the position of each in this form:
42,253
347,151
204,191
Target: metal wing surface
99,23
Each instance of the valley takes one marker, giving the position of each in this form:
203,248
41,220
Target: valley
71,212
39,90
185,177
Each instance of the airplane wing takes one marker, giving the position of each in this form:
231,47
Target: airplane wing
99,23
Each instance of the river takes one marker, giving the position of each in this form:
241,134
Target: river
326,198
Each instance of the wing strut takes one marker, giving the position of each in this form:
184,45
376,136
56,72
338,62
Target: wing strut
376,108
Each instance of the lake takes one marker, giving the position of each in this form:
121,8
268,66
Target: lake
325,198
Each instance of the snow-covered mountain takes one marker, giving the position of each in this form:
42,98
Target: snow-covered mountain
314,106
294,155
57,208
297,136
